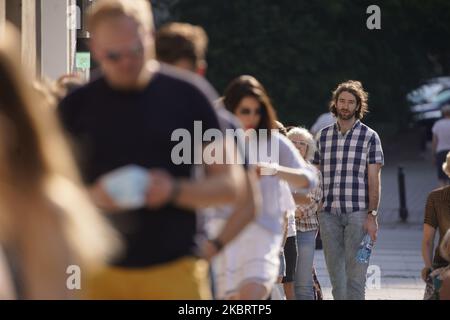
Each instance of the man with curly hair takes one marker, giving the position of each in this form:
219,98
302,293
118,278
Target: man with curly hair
350,158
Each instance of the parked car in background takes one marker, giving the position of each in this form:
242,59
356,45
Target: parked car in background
428,90
431,110
425,105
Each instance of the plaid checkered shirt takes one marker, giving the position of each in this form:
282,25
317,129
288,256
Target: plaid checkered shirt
344,159
309,220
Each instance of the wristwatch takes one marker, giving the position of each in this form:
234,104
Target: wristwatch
373,212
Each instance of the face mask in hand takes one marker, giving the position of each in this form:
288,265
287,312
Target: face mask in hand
127,186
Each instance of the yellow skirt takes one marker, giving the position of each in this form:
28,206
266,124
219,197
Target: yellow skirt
182,279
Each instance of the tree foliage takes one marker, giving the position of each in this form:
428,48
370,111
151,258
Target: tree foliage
300,50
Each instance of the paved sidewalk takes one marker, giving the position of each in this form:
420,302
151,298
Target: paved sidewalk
420,180
397,256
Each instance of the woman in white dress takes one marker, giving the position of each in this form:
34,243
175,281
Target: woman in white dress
248,267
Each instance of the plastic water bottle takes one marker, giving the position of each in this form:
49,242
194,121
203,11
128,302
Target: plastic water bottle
365,249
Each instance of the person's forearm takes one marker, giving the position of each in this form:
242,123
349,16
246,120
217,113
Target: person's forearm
374,192
295,177
222,184
285,231
213,191
427,253
302,199
102,200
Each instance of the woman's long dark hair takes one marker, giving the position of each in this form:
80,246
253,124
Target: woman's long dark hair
248,86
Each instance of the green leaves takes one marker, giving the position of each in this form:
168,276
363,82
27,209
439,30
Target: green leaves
300,50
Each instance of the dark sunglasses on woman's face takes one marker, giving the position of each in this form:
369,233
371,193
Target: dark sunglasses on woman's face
116,56
248,111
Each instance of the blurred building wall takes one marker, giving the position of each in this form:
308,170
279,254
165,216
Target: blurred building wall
48,34
58,36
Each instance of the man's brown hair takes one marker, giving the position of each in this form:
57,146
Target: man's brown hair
357,90
176,41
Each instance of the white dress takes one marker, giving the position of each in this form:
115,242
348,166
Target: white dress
253,256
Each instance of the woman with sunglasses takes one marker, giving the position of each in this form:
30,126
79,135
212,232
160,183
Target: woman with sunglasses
306,218
248,267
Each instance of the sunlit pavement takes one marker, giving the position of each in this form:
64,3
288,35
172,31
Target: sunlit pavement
395,265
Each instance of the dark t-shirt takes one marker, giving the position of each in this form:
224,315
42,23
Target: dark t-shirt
112,128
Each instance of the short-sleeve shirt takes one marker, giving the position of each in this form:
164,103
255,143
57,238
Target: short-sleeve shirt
441,129
344,160
273,206
310,221
112,128
437,215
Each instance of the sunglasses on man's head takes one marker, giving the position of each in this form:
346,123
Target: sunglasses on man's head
248,111
116,56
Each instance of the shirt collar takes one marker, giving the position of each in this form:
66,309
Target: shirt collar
355,125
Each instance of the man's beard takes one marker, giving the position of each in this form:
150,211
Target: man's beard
346,116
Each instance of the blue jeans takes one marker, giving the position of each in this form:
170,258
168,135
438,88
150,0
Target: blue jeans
306,243
341,236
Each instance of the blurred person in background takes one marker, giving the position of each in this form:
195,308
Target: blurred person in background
440,144
323,121
306,218
248,267
55,91
436,219
289,250
184,46
66,84
47,222
126,120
